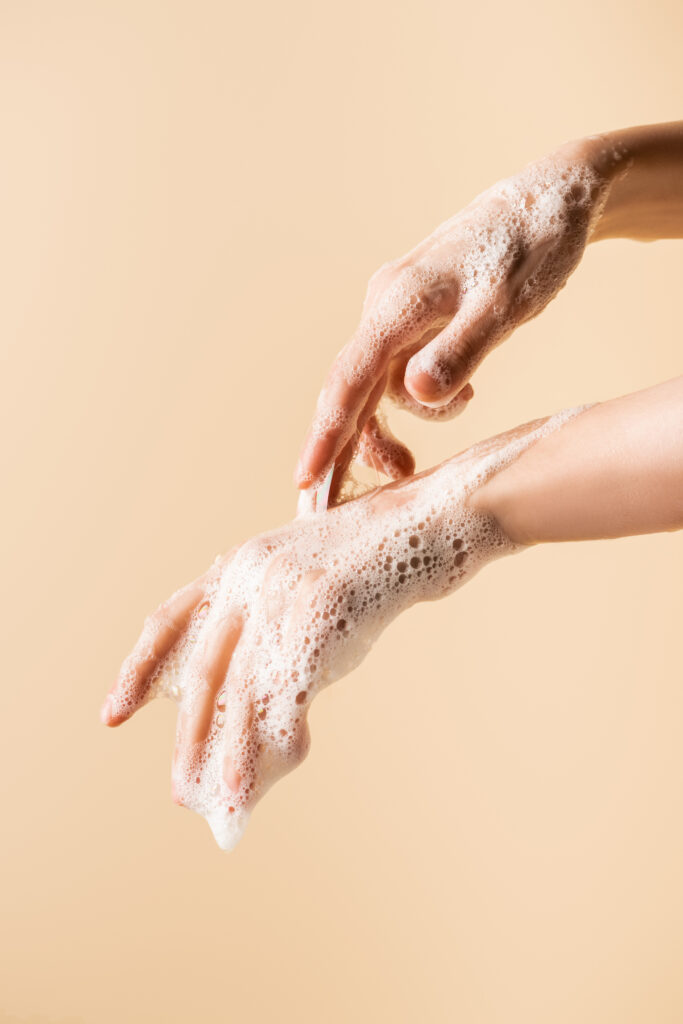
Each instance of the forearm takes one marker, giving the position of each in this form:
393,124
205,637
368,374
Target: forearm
643,168
614,470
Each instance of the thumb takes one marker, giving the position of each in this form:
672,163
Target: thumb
436,373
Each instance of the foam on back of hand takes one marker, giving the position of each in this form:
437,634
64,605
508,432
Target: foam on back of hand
495,264
306,602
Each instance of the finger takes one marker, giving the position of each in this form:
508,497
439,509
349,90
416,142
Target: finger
206,674
234,768
332,427
380,450
354,375
345,458
335,423
241,755
204,703
438,372
160,633
265,753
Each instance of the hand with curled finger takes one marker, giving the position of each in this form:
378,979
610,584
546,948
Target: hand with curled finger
432,316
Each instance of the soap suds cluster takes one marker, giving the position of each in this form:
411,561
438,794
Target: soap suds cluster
291,611
493,266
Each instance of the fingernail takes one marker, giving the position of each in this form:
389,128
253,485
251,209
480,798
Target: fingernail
105,710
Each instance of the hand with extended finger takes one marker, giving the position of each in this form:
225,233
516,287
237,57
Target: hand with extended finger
430,318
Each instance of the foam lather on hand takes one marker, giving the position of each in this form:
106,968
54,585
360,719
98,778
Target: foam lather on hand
431,316
245,649
495,264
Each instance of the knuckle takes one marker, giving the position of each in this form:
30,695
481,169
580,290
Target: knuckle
165,618
462,358
440,295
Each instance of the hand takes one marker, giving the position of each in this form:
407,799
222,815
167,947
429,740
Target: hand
246,647
430,318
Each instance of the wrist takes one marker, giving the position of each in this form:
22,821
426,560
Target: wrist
643,173
606,160
502,499
522,495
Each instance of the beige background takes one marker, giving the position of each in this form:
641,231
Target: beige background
192,198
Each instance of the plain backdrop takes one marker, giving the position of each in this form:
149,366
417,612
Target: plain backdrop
489,826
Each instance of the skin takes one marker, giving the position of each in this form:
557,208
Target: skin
428,321
612,470
230,642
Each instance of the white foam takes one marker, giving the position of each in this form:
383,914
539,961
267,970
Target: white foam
501,258
312,597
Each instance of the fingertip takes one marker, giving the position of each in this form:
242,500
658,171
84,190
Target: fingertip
105,711
111,715
231,776
379,449
114,720
302,476
315,461
425,388
402,463
407,464
433,393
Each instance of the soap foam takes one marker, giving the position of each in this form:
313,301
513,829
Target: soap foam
310,599
494,265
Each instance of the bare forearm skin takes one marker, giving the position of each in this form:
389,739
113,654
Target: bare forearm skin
613,471
644,169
